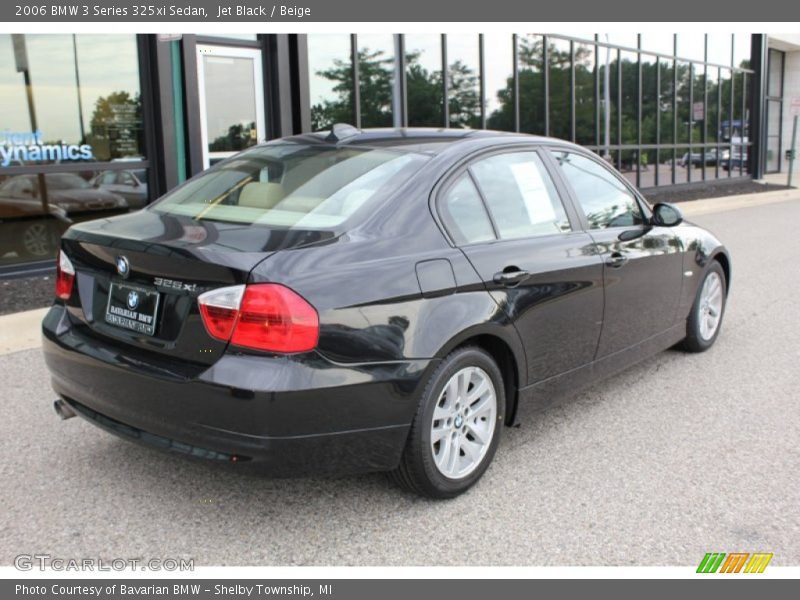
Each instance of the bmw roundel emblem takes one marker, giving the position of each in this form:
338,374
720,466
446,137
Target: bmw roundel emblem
123,266
133,300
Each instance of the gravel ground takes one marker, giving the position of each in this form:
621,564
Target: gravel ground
26,293
678,456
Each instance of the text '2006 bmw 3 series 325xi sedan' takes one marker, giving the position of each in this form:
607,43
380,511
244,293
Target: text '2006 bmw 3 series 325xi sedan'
377,300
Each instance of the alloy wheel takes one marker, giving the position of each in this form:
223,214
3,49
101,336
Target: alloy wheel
463,422
710,307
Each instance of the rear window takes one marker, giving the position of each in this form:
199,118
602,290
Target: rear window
293,185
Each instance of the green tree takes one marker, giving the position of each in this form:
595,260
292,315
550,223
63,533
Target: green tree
238,137
375,75
464,103
424,93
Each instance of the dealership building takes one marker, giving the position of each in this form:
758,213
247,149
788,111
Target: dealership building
95,125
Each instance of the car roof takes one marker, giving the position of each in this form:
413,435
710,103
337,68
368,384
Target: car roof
415,139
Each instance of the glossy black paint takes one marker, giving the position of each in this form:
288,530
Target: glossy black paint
394,297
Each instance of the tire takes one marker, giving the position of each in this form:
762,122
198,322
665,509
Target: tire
699,337
444,468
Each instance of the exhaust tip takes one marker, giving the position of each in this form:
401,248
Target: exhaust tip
63,410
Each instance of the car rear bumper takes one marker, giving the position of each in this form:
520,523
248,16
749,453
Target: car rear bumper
294,415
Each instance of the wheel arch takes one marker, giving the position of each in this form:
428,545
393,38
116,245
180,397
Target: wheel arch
725,262
507,352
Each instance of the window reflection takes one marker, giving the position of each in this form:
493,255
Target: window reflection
530,58
682,164
650,115
80,97
84,108
560,64
376,66
667,74
683,109
650,100
330,69
739,132
698,109
130,184
585,106
36,208
630,99
726,96
230,103
712,93
499,81
424,80
666,166
629,105
608,63
463,72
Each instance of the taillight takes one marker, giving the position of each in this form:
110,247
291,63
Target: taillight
263,316
65,276
220,309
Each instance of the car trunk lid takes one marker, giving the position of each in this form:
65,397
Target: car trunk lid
171,260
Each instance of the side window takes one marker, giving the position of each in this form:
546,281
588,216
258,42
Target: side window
464,214
125,178
108,178
520,195
604,198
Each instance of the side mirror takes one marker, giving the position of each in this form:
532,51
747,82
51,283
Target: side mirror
666,215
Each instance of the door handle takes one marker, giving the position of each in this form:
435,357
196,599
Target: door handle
616,260
510,276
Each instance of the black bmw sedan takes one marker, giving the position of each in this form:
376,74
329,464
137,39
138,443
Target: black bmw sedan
378,300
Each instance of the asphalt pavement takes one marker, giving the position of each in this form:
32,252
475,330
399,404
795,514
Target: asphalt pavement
678,456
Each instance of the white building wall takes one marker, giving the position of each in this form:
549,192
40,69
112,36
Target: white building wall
791,93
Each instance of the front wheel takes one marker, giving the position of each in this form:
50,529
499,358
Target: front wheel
457,426
705,320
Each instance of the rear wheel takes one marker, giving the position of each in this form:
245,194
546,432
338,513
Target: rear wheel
705,320
457,426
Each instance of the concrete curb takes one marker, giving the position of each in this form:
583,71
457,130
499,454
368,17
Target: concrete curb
21,331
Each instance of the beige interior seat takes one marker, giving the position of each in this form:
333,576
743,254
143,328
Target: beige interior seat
261,194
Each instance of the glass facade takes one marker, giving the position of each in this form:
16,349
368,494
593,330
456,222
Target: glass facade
663,108
72,137
331,85
376,79
78,129
425,90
